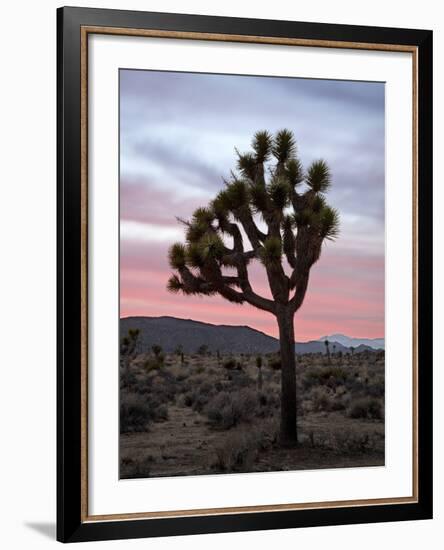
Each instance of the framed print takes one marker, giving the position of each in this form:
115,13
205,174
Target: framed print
244,274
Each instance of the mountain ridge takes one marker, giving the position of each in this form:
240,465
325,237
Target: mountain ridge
171,332
349,341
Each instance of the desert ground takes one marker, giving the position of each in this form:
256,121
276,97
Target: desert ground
193,414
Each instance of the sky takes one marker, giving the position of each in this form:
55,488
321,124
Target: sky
178,134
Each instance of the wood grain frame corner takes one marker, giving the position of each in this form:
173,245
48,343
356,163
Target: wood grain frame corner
182,27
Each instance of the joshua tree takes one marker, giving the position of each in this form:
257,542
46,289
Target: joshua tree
179,352
179,349
128,347
327,349
273,212
259,373
203,349
157,350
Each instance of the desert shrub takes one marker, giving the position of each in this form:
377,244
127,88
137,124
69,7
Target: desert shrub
127,379
206,387
153,364
229,364
366,407
202,350
274,363
311,378
339,403
320,400
165,385
181,377
197,397
227,410
358,442
144,387
158,408
200,401
196,380
344,441
219,409
138,410
156,349
268,403
376,388
188,399
263,399
267,434
179,350
237,452
324,376
315,439
161,412
135,413
240,379
356,385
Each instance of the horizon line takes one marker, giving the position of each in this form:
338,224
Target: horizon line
248,326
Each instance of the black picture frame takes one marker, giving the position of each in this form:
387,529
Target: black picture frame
71,523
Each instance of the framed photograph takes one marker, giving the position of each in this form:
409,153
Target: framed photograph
244,274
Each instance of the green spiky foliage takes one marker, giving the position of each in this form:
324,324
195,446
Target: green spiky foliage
284,146
327,349
128,348
271,210
129,342
318,176
271,252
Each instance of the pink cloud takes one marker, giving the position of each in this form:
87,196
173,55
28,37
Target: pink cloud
346,290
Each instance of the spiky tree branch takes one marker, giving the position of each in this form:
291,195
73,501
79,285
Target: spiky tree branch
297,224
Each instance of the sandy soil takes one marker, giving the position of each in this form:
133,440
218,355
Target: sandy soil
185,445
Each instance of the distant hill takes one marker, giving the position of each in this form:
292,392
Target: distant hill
170,332
316,346
375,343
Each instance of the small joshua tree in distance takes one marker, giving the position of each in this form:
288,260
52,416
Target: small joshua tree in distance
283,213
157,350
259,373
128,347
179,352
179,349
327,349
202,350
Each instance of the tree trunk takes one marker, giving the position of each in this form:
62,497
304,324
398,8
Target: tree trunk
285,320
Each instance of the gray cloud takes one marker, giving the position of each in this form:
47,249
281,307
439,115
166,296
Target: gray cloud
183,166
179,130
